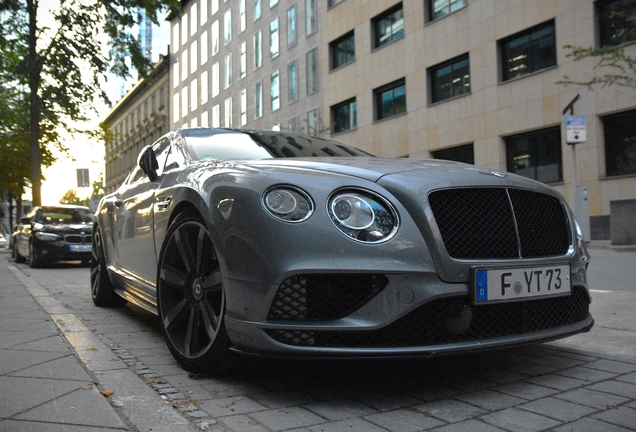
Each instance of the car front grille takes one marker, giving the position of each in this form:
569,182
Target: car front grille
491,223
324,296
78,238
452,320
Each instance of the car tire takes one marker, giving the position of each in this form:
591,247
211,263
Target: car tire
190,297
102,289
36,260
16,255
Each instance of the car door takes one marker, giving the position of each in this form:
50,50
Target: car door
133,223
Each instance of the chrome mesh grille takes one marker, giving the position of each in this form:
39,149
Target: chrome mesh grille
428,325
324,297
499,223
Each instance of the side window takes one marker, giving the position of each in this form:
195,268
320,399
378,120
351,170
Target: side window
162,150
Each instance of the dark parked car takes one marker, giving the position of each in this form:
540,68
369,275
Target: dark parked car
282,244
53,233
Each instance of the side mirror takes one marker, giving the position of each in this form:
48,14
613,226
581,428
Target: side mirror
148,163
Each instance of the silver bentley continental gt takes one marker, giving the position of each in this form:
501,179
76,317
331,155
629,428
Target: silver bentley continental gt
281,244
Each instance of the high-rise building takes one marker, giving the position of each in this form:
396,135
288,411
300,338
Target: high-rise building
479,81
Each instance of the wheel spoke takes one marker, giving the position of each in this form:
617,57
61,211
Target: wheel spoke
180,239
173,276
210,320
174,313
200,250
213,281
189,334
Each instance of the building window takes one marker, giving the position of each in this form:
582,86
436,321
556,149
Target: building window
204,87
194,95
292,32
273,38
215,38
257,9
184,65
215,6
440,8
620,143
388,26
258,100
292,82
528,51
342,50
242,17
536,155
275,90
228,70
344,116
292,125
205,119
175,37
204,48
331,3
204,12
193,19
312,71
258,49
243,107
227,21
184,102
310,17
175,73
615,22
272,3
216,79
175,109
227,115
216,116
463,153
313,122
390,100
450,79
243,62
194,57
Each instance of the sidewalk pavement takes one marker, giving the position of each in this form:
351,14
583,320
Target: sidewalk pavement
49,382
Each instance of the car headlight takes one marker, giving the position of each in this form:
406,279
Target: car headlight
363,216
43,236
288,204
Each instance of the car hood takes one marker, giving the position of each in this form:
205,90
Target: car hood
64,228
411,173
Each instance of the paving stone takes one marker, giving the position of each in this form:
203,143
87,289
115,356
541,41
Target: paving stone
347,426
450,410
468,426
517,420
621,416
280,399
590,425
591,398
340,409
525,390
558,409
630,378
624,389
230,406
491,400
286,418
557,382
243,423
25,426
612,366
404,420
386,401
587,374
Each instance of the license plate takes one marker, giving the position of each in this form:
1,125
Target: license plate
81,248
493,285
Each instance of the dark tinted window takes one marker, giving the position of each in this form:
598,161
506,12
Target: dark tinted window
450,79
620,143
390,100
616,21
344,116
536,155
465,153
388,26
528,51
342,50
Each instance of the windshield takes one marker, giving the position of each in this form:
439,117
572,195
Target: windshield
61,215
226,144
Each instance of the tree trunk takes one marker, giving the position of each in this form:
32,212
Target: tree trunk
34,106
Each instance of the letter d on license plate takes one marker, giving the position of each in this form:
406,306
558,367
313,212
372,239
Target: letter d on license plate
509,284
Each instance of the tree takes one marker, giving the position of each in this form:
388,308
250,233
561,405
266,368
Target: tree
617,67
58,68
70,197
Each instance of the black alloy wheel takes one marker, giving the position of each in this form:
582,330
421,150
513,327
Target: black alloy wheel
102,289
190,297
